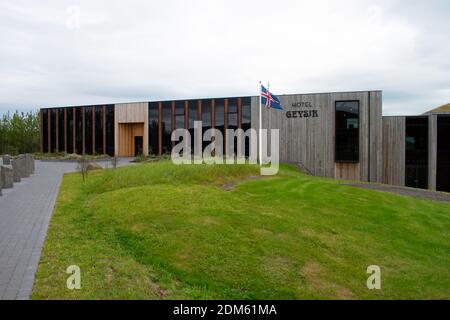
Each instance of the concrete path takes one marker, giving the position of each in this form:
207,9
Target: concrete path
25,213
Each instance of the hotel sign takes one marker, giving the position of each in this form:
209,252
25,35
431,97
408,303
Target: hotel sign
302,110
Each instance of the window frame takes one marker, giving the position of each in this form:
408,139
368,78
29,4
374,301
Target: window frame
336,132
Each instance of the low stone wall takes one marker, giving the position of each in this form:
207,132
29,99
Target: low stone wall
13,169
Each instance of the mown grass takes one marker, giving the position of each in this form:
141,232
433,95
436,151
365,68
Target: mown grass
159,231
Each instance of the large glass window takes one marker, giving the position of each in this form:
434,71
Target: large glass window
79,131
179,115
110,148
45,130
206,119
53,146
69,130
88,130
166,127
153,118
232,121
61,130
416,152
98,129
347,131
220,118
192,116
443,154
246,121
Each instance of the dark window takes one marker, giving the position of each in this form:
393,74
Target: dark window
61,130
98,129
79,132
246,118
220,115
166,127
443,154
347,131
88,130
192,116
69,130
179,115
220,118
232,121
44,131
153,115
110,148
206,119
53,147
416,155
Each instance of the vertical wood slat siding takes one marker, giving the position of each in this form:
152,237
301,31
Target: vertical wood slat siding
376,137
131,113
394,131
104,128
57,129
311,141
432,151
199,110
65,130
49,145
160,128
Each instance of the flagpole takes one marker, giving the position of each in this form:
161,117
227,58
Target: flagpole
260,125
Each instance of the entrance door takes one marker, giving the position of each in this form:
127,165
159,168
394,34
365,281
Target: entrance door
138,145
128,146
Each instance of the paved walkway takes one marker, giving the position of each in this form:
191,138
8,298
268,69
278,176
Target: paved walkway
25,213
405,191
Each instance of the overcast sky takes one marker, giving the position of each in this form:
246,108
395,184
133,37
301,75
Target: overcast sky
57,53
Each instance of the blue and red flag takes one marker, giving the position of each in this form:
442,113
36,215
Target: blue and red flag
270,100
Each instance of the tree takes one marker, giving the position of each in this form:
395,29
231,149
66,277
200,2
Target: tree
19,133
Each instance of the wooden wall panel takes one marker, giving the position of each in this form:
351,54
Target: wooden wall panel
347,171
127,132
376,137
131,113
311,141
432,151
394,131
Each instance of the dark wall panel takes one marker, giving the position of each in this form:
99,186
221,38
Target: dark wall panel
45,130
153,123
70,124
98,129
416,154
110,149
443,154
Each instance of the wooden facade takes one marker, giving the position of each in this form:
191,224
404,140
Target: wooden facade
307,137
310,140
394,129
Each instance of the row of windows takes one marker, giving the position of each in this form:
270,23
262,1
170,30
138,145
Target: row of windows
220,114
63,130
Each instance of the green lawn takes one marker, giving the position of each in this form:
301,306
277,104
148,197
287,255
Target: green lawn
159,231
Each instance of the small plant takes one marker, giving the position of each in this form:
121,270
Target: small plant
83,167
114,162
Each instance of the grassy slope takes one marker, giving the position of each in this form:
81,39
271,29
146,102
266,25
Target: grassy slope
159,231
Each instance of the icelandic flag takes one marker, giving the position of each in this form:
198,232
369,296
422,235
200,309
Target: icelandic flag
270,100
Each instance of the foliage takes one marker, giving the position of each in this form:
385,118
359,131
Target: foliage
19,133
